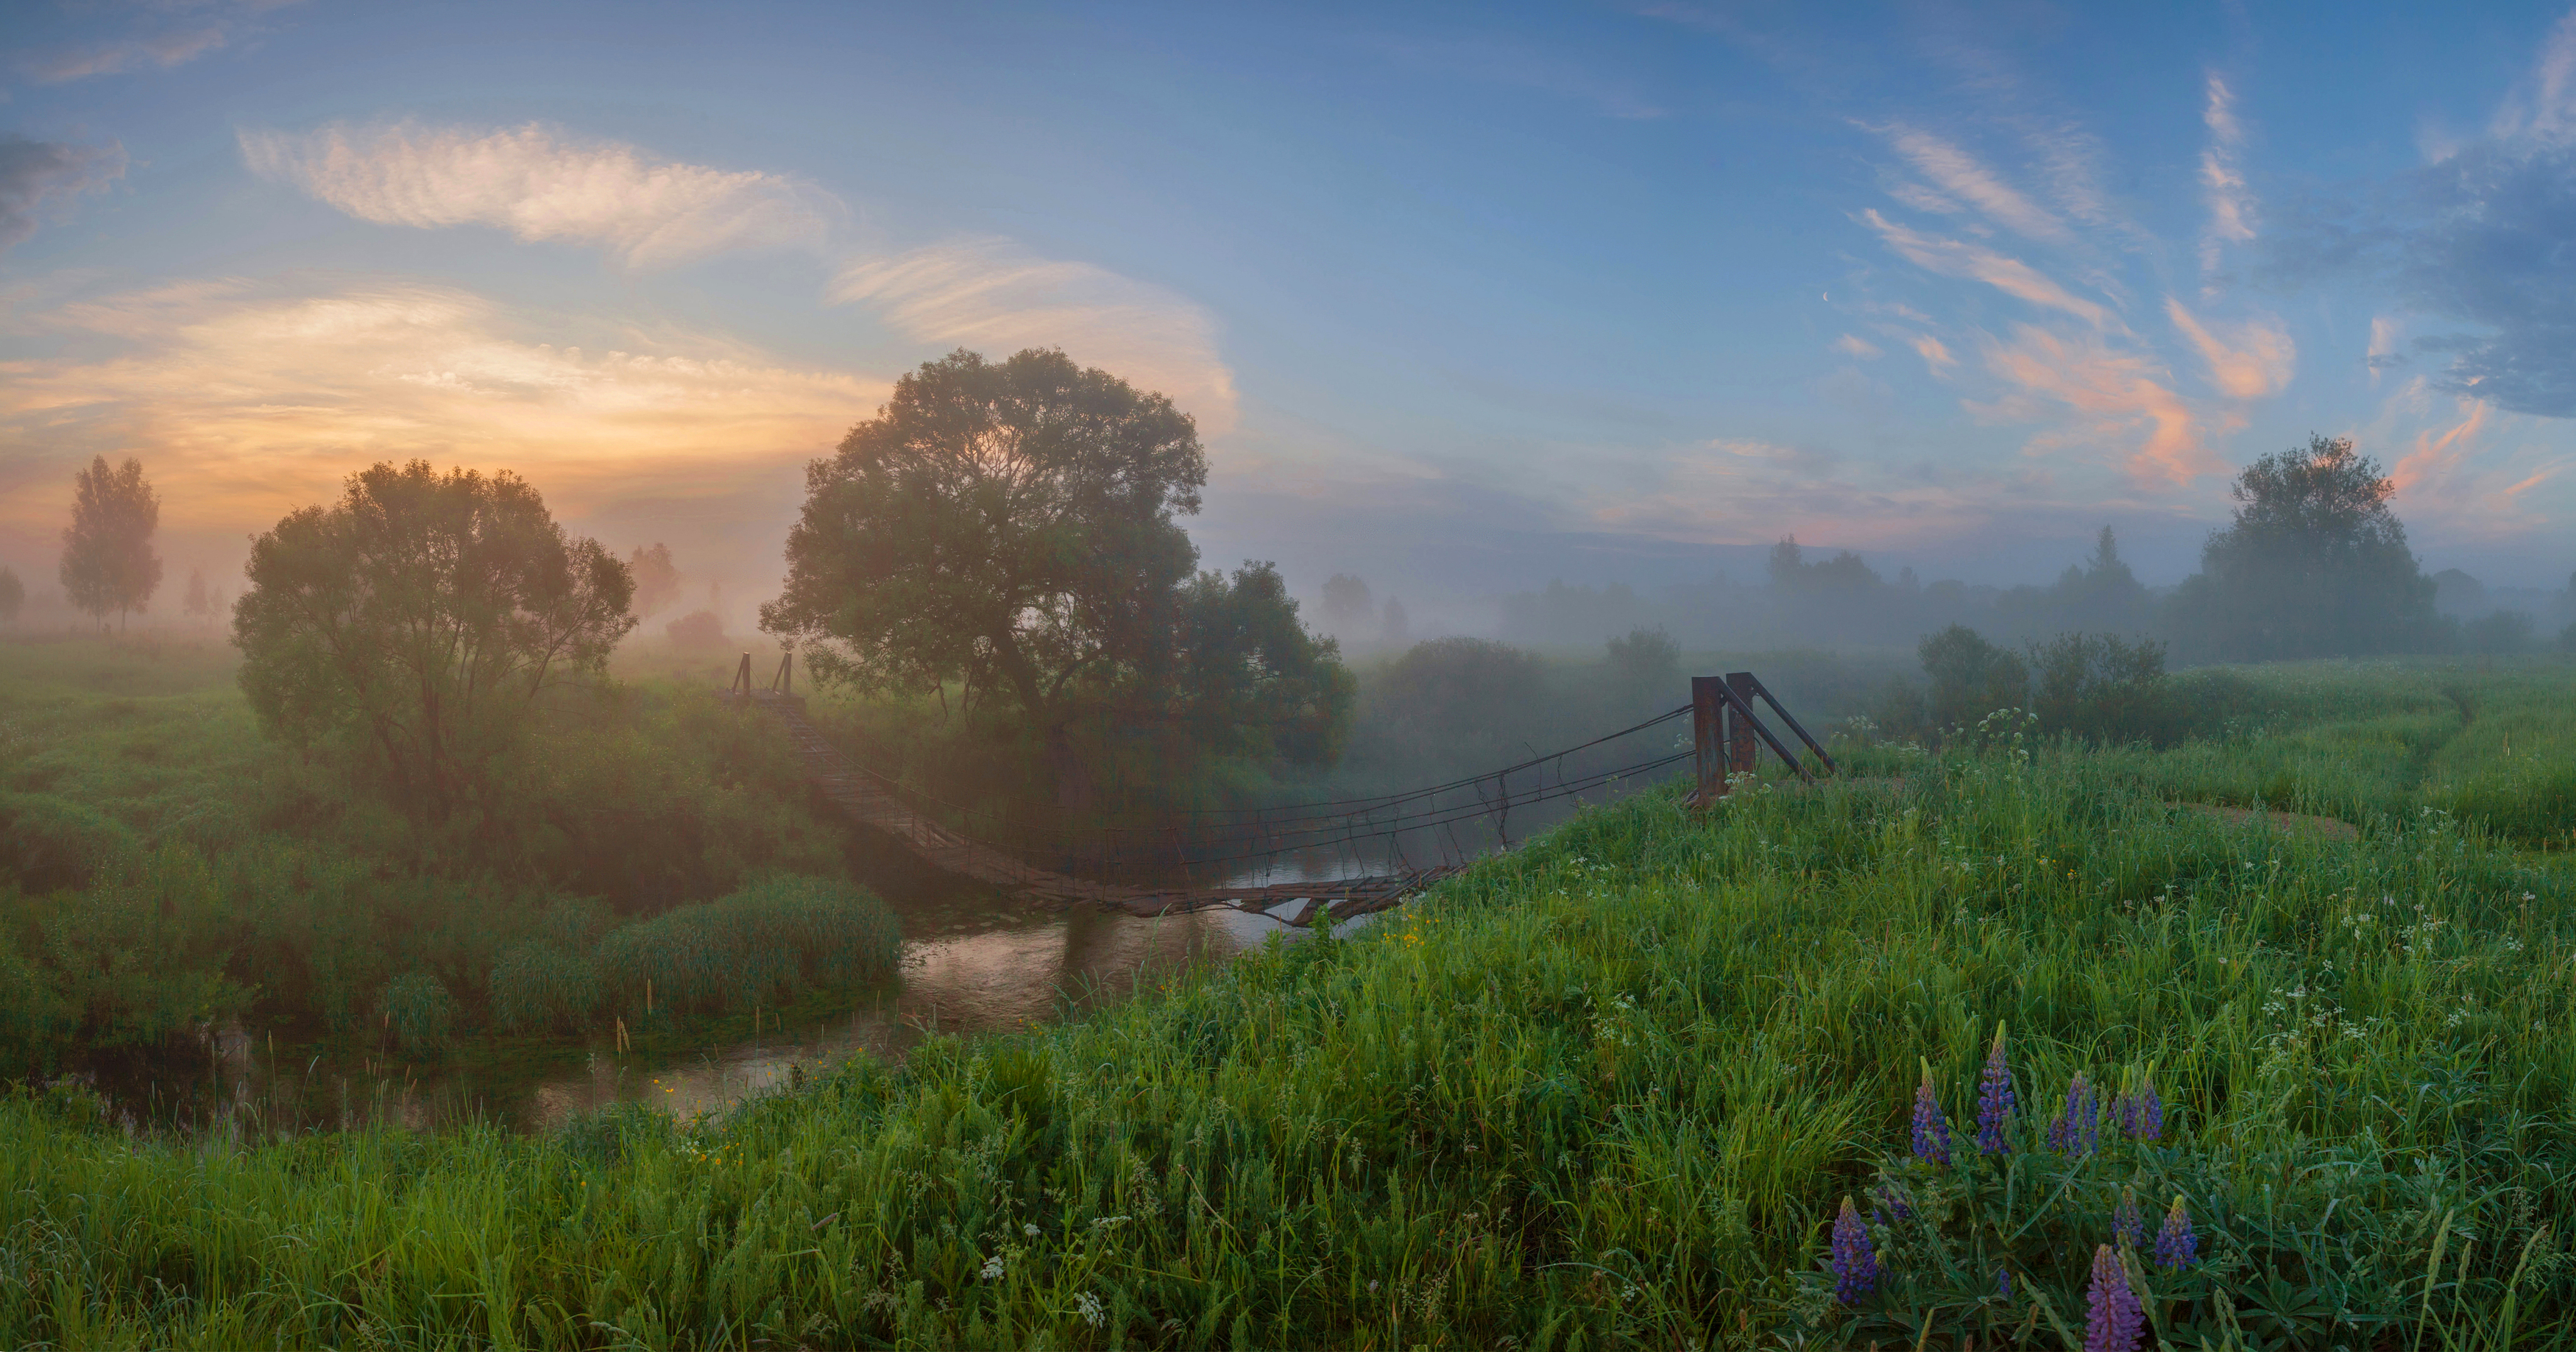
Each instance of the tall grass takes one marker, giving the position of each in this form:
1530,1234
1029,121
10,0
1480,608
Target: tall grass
1607,1090
759,944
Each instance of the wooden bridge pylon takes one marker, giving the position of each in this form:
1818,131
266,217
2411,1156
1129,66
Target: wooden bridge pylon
1724,728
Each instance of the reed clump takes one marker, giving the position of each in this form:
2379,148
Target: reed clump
760,944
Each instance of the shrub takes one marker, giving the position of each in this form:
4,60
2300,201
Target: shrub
48,843
697,629
539,985
2104,689
417,1007
1971,677
140,957
32,1019
754,945
1459,689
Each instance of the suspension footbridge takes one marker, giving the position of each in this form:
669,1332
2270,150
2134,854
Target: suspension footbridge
1727,737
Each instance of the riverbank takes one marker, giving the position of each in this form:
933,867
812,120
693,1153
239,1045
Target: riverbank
1609,1089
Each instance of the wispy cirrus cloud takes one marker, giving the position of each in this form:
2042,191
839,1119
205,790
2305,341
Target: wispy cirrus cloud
1958,177
990,293
541,184
2249,360
2469,471
1957,258
34,174
164,36
2116,396
2222,183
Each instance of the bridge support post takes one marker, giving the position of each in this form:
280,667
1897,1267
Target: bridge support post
742,678
1708,738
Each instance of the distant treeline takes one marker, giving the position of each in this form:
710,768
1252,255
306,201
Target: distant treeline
2314,565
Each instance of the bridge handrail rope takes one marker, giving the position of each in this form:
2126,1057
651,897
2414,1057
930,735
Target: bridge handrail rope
1422,818
1311,823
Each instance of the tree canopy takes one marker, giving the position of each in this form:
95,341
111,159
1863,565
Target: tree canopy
414,624
657,579
1011,526
2315,564
108,562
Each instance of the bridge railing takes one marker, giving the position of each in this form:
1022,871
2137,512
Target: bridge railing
1727,736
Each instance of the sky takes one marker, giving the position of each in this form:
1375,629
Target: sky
1462,298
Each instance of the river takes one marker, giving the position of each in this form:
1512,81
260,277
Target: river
972,962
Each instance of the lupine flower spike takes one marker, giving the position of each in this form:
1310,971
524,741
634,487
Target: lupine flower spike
2142,1114
1994,1099
1855,1263
2003,1282
2176,1245
2115,1322
2077,1129
1931,1129
2128,1224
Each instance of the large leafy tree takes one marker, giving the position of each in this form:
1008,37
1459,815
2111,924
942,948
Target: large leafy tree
417,622
108,562
1011,526
2314,565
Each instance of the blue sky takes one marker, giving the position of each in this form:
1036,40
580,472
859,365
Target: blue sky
1463,298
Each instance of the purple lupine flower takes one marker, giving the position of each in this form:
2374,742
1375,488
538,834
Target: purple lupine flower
1931,1128
2142,1114
2176,1245
2078,1129
2003,1282
1994,1099
1855,1262
2128,1224
2115,1322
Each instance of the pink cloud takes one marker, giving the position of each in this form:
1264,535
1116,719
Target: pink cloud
2246,361
2116,396
2011,276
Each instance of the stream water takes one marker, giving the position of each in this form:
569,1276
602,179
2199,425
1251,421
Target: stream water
972,962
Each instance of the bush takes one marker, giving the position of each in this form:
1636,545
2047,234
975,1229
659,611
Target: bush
32,1019
48,843
2104,689
419,1010
140,957
754,946
1971,677
697,629
1457,689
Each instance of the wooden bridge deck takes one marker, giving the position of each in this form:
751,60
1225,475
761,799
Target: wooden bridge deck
870,800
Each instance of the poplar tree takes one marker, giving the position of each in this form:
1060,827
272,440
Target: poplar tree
108,563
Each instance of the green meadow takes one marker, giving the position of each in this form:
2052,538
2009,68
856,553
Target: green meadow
1610,1089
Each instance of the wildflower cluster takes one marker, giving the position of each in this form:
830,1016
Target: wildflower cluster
1912,1232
